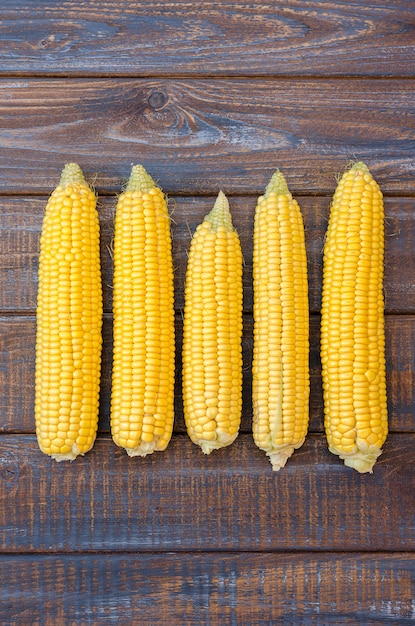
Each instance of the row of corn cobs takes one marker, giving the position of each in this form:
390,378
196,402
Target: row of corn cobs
69,323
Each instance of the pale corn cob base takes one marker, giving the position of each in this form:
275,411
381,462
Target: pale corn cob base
145,448
280,370
71,455
212,332
363,459
221,441
352,325
280,454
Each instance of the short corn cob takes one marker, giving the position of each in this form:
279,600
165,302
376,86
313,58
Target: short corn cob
352,322
69,320
212,332
142,397
280,369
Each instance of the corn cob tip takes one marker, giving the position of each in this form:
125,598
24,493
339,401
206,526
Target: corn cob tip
71,173
277,184
220,214
140,180
360,166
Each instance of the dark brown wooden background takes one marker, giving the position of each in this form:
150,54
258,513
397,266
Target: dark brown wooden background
207,96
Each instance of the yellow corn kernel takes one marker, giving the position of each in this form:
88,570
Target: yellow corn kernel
280,368
69,320
142,397
212,332
352,322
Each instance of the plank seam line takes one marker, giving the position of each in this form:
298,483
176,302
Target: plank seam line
258,76
209,551
402,194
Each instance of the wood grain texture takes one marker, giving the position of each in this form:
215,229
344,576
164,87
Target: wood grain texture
202,38
198,136
210,588
21,223
17,371
206,96
183,500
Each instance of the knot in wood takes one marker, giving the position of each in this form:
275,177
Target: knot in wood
158,99
9,468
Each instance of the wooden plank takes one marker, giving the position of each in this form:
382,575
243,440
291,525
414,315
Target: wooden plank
210,588
181,500
17,355
201,38
21,221
196,136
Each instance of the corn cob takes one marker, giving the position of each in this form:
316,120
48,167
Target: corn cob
142,397
212,332
280,369
352,322
69,320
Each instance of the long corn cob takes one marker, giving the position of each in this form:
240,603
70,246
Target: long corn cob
69,320
280,369
212,353
352,322
142,398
